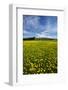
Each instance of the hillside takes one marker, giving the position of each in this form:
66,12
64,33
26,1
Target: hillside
34,38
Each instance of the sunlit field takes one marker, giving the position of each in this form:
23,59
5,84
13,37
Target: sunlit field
39,56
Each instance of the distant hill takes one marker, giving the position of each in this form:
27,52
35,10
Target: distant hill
34,38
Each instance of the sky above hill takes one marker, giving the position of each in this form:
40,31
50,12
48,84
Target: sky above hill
39,26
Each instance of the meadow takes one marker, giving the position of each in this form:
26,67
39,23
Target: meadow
39,57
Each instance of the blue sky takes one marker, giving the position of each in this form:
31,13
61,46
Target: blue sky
39,26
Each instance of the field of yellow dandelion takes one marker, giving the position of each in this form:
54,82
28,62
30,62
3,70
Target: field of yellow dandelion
39,57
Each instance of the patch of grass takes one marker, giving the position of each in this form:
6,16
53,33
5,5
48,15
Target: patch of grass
39,56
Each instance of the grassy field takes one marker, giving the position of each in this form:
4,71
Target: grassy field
40,56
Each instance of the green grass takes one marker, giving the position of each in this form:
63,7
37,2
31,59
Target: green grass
40,56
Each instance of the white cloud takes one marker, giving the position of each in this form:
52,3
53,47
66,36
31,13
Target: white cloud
31,22
26,32
49,32
45,35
